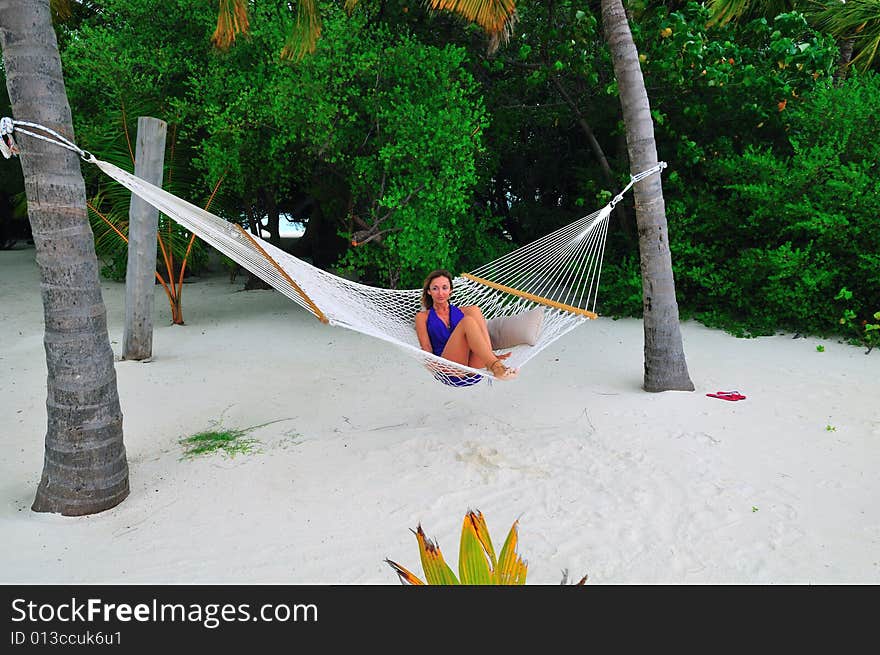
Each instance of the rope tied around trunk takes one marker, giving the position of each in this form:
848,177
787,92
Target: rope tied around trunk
10,148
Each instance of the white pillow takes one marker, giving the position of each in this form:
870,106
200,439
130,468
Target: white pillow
519,329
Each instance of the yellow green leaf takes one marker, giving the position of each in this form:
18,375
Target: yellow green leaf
437,572
473,567
405,576
511,568
482,532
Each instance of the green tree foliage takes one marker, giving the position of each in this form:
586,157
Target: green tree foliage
381,131
124,61
786,228
374,138
133,56
855,23
542,90
411,181
739,80
715,92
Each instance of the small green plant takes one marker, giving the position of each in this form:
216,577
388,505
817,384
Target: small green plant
477,564
830,428
754,509
230,442
867,334
820,349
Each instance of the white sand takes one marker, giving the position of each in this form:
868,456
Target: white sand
606,479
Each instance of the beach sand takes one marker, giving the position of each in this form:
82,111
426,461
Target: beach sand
362,445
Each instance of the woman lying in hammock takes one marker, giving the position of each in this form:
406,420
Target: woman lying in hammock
458,334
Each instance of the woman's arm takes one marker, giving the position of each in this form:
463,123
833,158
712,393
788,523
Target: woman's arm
422,331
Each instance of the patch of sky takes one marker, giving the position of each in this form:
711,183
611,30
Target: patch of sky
288,227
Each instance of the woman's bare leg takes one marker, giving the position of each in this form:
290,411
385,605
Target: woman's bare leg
469,344
477,314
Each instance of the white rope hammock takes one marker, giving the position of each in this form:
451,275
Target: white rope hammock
557,275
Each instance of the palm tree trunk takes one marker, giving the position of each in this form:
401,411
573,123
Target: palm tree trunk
604,166
665,365
85,469
846,53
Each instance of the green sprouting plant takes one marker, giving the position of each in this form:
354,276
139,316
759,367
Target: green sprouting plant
867,334
830,428
820,349
477,563
230,442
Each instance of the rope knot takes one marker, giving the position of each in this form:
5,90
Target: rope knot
8,125
638,177
7,144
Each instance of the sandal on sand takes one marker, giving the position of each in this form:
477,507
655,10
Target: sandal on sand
502,372
727,395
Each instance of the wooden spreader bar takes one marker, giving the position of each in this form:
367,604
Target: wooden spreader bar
317,312
530,296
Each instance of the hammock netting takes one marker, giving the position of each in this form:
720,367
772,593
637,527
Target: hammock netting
558,273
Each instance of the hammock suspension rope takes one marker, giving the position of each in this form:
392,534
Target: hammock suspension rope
554,278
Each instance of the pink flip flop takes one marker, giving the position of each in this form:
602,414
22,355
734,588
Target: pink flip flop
727,395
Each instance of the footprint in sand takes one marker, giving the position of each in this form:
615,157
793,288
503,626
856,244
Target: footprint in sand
484,457
489,461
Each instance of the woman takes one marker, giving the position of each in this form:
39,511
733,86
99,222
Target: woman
458,334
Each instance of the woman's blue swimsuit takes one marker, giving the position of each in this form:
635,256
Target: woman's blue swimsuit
437,330
439,334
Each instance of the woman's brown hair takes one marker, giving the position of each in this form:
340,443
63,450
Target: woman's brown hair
427,300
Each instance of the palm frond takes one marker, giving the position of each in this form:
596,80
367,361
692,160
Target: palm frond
724,11
109,202
858,20
437,571
496,17
61,10
511,569
304,37
473,565
406,577
482,532
232,19
477,564
110,229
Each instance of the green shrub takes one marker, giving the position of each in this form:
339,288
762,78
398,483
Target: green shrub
772,236
621,288
861,330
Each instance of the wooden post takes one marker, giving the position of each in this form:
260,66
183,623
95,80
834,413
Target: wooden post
143,222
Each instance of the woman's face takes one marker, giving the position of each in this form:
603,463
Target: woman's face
439,289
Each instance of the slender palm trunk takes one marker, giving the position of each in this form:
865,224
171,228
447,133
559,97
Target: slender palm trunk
619,212
85,469
846,53
665,365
